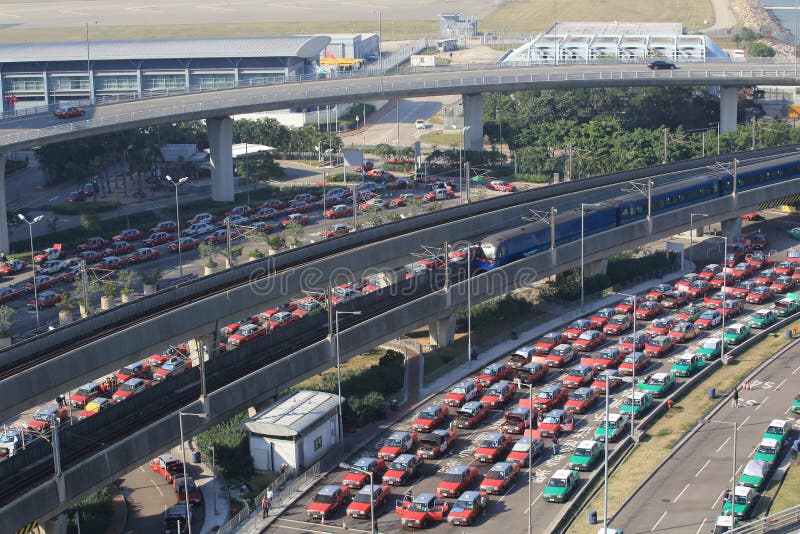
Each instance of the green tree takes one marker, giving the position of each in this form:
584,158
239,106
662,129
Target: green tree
91,223
759,49
231,447
95,513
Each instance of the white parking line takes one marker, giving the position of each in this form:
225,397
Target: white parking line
534,502
753,451
701,469
141,469
503,496
701,525
760,404
157,488
717,500
681,493
795,371
659,521
779,385
744,421
723,444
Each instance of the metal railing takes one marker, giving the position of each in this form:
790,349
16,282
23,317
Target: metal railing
784,518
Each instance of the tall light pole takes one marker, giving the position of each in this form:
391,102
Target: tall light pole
691,232
724,295
733,460
461,164
371,492
339,371
583,206
469,301
718,135
380,52
185,477
176,183
33,262
605,462
530,451
633,367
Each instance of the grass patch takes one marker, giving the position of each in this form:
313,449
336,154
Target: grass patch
789,493
79,208
441,139
659,439
532,16
354,365
392,30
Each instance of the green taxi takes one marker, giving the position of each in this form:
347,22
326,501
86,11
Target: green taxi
561,485
769,450
641,402
744,500
762,318
657,384
687,364
787,306
586,455
736,333
711,349
796,404
778,429
617,422
755,474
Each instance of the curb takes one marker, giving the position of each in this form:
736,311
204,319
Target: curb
714,409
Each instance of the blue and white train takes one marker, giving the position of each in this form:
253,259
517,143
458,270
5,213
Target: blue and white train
511,245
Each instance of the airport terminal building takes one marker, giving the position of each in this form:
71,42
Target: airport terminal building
37,74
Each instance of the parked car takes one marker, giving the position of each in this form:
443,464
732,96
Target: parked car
68,112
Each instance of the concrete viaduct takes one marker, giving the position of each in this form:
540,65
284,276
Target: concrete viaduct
153,437
471,81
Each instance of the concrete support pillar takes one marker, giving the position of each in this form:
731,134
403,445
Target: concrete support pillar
3,215
732,229
596,267
46,89
56,525
91,85
443,331
473,117
220,137
728,98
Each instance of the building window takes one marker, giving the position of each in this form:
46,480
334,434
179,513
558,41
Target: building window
69,83
163,81
212,80
115,82
24,84
318,443
261,78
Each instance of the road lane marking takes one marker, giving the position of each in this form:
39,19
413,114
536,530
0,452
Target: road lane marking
681,493
534,502
503,496
744,421
751,452
700,471
157,488
659,521
717,500
141,469
701,525
760,404
795,371
779,385
723,444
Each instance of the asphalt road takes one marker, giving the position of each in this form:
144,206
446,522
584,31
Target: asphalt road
48,14
685,494
509,511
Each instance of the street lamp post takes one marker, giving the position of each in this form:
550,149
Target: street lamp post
633,367
530,451
33,262
461,165
176,183
583,206
380,52
691,232
339,371
733,460
469,301
371,492
605,461
185,476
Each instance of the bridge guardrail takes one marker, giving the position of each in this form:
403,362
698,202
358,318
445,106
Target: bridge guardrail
784,518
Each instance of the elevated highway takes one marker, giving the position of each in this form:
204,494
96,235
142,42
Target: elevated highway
147,424
29,131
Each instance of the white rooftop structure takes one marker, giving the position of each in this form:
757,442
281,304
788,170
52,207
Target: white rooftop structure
245,149
586,42
294,415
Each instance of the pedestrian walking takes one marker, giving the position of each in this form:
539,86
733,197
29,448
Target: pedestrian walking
735,397
555,445
60,401
264,507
